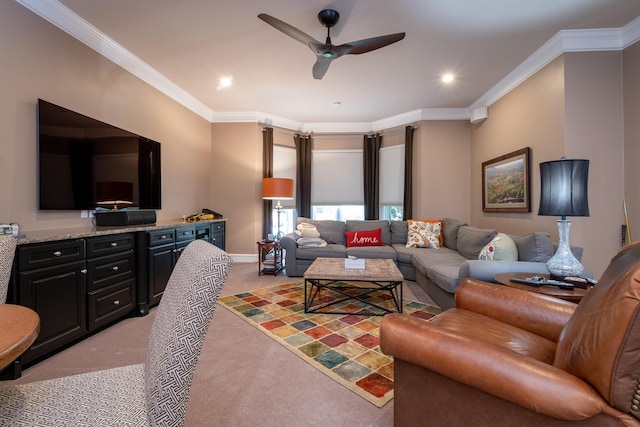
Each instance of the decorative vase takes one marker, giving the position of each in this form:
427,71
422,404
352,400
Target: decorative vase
564,263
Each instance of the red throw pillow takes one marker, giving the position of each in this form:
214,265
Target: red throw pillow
364,238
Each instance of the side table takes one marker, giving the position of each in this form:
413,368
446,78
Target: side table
573,295
269,257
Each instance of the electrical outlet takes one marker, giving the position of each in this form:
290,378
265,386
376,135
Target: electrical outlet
84,214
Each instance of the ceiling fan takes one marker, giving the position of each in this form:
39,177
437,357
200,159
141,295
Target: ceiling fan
327,52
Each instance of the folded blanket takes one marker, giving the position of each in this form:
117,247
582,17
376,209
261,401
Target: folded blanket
311,242
304,229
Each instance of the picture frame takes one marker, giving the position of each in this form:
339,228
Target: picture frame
506,183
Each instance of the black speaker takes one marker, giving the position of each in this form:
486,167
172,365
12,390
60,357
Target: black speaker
115,218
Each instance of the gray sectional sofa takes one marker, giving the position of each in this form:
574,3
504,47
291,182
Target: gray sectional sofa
437,271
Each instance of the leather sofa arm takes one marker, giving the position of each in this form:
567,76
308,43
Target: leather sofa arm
539,314
500,372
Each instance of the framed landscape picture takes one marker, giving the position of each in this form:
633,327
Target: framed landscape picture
505,183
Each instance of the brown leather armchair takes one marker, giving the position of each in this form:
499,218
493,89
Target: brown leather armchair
507,357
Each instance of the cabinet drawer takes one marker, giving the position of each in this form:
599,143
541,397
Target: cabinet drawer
184,234
161,237
50,254
99,246
217,227
109,269
111,303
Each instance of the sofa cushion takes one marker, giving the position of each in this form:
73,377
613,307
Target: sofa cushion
422,259
471,240
404,254
329,251
330,230
450,227
371,252
500,248
534,247
424,234
398,232
364,238
444,276
363,225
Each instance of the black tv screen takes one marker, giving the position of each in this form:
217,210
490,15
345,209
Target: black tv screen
85,164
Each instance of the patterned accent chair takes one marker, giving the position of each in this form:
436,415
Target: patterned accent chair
509,357
7,252
151,394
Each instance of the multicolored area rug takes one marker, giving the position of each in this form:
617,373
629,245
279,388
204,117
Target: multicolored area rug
343,346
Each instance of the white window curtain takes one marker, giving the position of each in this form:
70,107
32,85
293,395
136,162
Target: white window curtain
337,177
284,166
392,175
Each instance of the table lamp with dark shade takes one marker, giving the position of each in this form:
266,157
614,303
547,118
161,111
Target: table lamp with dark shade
563,193
277,189
114,193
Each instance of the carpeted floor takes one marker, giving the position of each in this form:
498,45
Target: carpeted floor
343,346
243,377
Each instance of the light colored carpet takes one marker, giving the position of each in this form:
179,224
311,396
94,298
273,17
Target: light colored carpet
243,377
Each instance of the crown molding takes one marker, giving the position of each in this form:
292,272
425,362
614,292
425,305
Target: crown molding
631,33
564,41
65,19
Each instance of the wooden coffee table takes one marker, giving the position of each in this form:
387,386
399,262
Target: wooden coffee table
573,295
352,284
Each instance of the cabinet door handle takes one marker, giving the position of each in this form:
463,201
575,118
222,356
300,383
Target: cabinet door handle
114,244
83,271
164,236
115,268
57,253
116,302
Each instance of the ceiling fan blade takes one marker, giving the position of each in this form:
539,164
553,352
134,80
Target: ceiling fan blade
367,45
320,67
287,29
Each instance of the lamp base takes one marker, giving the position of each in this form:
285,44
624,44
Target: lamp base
564,263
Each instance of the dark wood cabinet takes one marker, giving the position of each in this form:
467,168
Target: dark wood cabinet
163,250
111,284
82,284
56,291
218,235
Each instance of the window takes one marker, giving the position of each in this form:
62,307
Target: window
392,182
338,212
337,184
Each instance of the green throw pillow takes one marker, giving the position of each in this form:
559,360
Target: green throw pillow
501,248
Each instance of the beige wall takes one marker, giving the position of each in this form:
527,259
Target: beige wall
631,71
41,61
236,183
531,115
594,131
441,170
571,107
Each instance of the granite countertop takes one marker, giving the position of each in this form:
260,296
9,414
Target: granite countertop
40,236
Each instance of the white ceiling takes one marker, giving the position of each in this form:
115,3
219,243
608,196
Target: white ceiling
184,47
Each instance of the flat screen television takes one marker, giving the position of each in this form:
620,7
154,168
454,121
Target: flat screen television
85,164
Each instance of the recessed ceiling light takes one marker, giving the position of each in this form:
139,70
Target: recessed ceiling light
448,78
225,82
